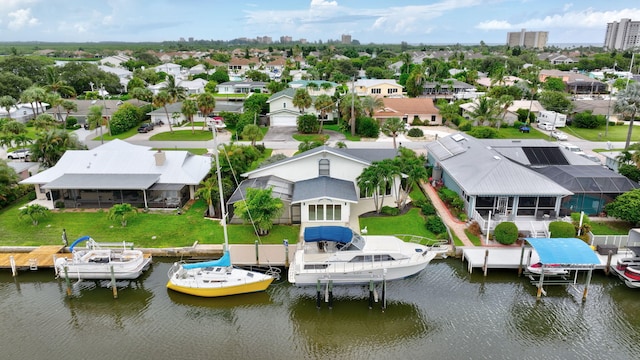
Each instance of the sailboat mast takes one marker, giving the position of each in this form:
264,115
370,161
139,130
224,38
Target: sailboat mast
223,211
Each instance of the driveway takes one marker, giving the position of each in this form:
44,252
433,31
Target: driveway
280,133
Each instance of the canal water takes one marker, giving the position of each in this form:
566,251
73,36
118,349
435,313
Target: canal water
442,313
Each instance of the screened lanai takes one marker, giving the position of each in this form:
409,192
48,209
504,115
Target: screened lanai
593,186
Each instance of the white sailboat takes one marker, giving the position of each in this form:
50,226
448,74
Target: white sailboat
217,277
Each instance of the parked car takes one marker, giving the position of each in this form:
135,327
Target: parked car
545,126
18,154
145,128
559,135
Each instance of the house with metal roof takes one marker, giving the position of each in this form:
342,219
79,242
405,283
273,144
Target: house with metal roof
319,186
523,181
120,172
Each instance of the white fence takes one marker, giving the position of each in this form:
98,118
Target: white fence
620,241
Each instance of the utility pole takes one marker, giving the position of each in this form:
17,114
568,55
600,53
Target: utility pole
353,118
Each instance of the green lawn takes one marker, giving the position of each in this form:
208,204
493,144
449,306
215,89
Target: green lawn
311,137
335,127
610,227
411,223
513,133
615,133
168,228
183,135
105,134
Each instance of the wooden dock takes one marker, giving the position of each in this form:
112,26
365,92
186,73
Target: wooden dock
40,257
509,257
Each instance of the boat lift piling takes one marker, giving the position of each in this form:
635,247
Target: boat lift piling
318,291
540,283
14,270
113,283
586,285
521,259
371,287
67,280
286,252
607,269
257,253
330,293
485,266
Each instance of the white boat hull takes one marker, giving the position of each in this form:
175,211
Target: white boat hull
628,270
99,264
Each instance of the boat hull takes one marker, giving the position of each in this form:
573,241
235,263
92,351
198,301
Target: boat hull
217,282
628,272
79,269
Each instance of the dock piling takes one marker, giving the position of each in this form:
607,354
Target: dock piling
318,292
14,270
66,279
257,253
384,294
521,260
330,293
286,252
485,266
371,294
586,285
113,283
540,284
608,267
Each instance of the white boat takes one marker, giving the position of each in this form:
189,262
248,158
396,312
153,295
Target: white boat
628,270
218,277
338,254
96,263
549,269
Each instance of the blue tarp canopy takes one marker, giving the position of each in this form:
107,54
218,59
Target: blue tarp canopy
564,251
339,234
224,261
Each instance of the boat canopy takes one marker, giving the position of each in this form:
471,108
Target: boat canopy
224,261
564,251
78,241
338,234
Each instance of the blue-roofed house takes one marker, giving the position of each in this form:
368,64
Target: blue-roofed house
319,187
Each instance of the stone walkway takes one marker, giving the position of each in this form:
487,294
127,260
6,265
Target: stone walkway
455,225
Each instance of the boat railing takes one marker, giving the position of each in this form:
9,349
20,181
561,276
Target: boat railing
428,242
174,269
344,267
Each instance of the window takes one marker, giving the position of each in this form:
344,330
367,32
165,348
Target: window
376,91
324,167
329,212
334,212
433,118
392,91
316,212
284,105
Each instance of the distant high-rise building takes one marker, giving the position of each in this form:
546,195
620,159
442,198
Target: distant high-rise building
346,39
285,39
190,38
528,39
622,35
264,39
303,41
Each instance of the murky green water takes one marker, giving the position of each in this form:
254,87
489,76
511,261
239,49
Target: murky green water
443,313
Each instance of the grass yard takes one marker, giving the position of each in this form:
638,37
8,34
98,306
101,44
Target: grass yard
347,134
615,133
183,135
610,227
411,223
513,133
169,229
311,137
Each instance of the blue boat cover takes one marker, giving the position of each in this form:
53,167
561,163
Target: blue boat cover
339,234
78,241
565,251
224,261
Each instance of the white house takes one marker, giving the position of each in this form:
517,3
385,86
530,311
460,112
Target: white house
123,74
193,86
21,112
115,60
282,112
120,172
170,69
319,186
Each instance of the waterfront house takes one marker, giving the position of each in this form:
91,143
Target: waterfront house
409,110
319,187
119,172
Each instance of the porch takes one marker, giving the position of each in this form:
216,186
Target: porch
530,226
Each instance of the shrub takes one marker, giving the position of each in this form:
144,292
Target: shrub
388,210
415,132
308,124
463,217
367,127
506,233
417,122
561,229
465,126
587,120
71,122
447,195
125,118
427,208
435,225
484,132
474,228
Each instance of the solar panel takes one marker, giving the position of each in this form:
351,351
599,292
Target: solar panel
545,156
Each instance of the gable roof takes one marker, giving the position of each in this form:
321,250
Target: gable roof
398,107
324,187
288,92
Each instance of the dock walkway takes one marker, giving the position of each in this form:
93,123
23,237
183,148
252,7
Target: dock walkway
509,257
42,256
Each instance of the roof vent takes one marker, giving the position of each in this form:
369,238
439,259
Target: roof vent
496,157
457,137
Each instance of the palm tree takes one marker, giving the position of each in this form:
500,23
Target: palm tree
208,191
393,127
55,101
505,101
324,103
252,133
7,102
189,109
371,104
55,85
302,100
141,94
35,212
415,81
485,111
412,165
121,212
51,145
259,207
628,102
94,119
33,95
313,86
326,86
177,93
206,105
69,106
162,99
406,59
375,179
44,122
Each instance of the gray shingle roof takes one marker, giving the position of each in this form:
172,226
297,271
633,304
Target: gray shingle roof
324,187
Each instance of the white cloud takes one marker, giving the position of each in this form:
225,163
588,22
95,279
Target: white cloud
13,4
315,3
566,7
21,18
494,25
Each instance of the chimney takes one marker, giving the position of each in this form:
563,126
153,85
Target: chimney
160,158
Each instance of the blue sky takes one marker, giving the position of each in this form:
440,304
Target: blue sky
369,21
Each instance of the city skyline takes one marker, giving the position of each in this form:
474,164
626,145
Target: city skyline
373,21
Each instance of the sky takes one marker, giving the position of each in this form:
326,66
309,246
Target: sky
368,21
